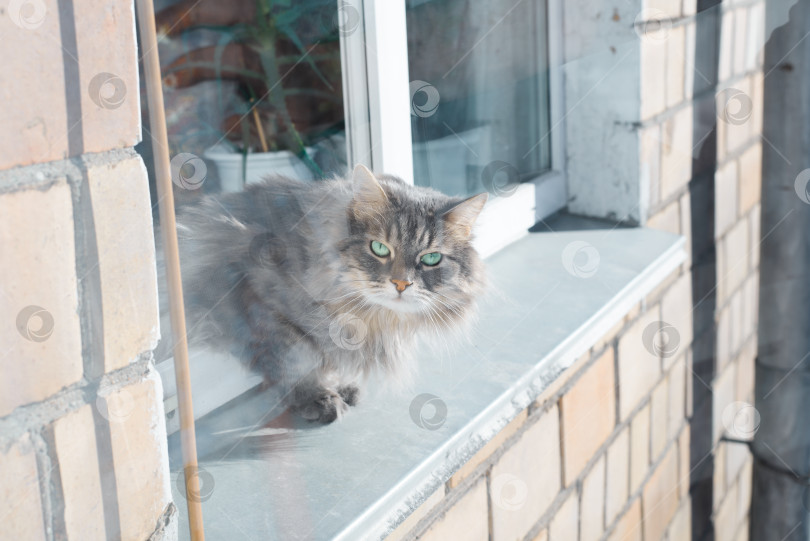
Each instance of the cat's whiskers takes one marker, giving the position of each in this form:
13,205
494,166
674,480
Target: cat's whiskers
435,318
466,312
357,304
433,299
344,295
454,309
443,318
440,337
454,302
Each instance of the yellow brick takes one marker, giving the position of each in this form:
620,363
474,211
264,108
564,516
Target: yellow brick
723,345
661,496
750,177
757,84
31,131
36,233
592,505
618,475
676,49
526,479
117,124
639,367
466,520
75,442
745,485
736,309
608,337
653,75
671,9
723,398
750,301
740,35
19,493
666,219
740,131
676,152
719,476
745,372
689,384
121,210
588,415
561,381
725,187
676,395
138,439
628,527
681,527
659,414
736,456
686,227
726,523
742,531
721,141
754,234
565,523
486,451
684,467
639,447
676,310
47,123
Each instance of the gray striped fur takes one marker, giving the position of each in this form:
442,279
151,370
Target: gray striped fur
282,276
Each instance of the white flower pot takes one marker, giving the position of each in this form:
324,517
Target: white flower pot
259,165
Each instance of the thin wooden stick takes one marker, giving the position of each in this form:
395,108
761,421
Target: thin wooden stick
258,121
160,149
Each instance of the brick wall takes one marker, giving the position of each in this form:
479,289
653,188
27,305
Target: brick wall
627,445
737,186
602,454
82,436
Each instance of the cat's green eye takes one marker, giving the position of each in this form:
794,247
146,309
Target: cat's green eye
431,259
380,249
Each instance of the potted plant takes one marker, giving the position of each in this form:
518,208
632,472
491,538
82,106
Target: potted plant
285,57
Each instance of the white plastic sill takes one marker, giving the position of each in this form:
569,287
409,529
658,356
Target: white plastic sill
361,477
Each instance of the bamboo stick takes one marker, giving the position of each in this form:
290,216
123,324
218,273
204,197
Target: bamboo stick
160,148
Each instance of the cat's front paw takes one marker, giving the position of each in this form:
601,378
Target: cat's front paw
349,394
323,407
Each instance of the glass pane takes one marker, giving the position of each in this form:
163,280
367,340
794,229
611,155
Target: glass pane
251,89
479,93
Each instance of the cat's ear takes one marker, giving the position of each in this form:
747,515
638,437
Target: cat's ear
462,216
365,187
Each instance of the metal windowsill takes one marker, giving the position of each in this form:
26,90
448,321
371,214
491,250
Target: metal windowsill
361,477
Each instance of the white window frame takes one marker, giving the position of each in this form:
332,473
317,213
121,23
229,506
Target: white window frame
378,117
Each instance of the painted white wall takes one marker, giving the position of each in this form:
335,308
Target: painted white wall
603,111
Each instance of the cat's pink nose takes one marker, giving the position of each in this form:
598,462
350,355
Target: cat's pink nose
400,284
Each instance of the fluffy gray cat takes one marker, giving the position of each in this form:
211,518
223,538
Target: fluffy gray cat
316,285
